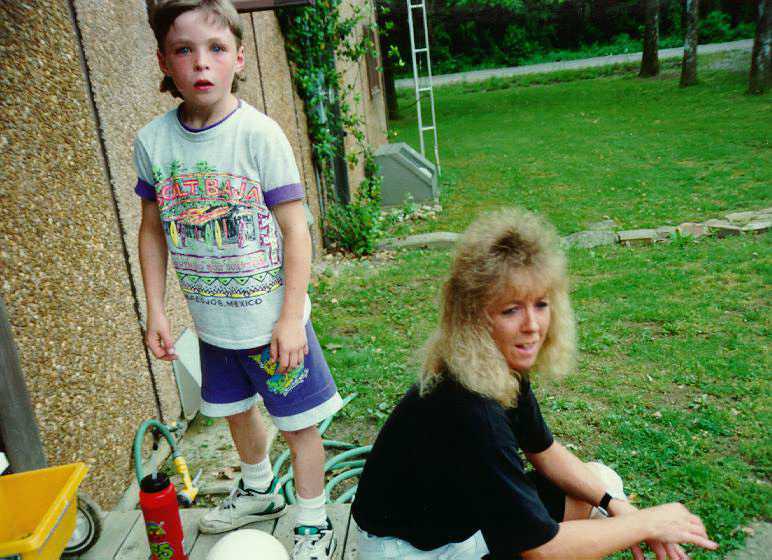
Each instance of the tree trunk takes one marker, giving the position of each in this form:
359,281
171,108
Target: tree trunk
384,40
389,88
689,63
761,58
650,60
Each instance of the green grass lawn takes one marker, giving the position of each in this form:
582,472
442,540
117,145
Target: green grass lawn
673,383
643,152
672,387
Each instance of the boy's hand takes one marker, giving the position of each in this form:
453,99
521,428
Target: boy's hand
289,345
159,339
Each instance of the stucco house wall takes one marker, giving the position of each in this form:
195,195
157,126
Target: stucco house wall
372,102
78,79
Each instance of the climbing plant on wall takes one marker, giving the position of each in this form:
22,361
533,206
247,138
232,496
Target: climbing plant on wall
315,37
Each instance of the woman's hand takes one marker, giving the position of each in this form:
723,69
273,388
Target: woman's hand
669,525
288,344
663,550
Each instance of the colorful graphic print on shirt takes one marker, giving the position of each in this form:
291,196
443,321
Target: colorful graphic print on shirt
222,237
279,383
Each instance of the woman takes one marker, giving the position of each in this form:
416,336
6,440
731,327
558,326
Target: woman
445,479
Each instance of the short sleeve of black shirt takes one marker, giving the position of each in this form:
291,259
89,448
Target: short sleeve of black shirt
512,517
531,430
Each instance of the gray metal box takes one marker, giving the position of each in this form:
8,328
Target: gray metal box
406,172
187,372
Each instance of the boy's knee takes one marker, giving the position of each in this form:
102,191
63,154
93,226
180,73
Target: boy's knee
241,416
294,437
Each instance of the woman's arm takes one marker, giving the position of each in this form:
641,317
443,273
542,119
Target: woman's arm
569,473
288,343
578,481
598,538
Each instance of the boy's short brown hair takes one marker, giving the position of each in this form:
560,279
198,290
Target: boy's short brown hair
162,14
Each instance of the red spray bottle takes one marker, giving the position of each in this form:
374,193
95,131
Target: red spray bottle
158,501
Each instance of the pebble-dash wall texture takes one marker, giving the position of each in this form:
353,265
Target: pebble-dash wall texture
64,277
119,51
78,78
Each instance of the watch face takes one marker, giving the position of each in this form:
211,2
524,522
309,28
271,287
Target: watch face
603,512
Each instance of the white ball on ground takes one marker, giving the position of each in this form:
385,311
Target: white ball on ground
248,544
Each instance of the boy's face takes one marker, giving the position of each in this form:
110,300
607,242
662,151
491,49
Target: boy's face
202,58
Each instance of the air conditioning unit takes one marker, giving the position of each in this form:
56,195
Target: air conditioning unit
406,172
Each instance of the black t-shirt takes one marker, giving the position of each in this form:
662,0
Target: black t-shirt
447,465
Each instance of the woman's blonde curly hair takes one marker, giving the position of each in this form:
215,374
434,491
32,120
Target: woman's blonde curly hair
505,250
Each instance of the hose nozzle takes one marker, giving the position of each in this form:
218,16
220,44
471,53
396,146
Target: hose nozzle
187,495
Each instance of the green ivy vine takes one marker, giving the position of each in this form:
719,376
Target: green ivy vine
315,37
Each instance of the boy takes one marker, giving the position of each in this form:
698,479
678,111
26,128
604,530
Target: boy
221,193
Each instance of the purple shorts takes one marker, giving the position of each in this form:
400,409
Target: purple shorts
231,381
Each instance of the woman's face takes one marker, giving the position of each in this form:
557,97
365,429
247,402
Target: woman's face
519,325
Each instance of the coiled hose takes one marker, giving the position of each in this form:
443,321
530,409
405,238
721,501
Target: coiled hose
342,466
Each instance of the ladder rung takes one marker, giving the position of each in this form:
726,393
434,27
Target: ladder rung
425,89
421,50
416,6
425,128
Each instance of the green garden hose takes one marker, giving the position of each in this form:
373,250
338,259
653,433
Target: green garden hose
335,480
185,495
140,436
341,464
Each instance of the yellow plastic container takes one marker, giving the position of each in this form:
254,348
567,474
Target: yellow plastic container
38,511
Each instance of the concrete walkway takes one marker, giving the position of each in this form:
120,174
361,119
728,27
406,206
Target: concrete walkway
480,75
757,547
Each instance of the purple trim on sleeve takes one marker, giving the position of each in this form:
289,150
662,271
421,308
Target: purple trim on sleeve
285,193
145,190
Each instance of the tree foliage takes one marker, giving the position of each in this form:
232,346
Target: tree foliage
467,34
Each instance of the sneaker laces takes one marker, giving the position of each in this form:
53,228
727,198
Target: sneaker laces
306,542
230,501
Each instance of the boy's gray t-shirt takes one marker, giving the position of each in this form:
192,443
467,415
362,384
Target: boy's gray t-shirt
215,188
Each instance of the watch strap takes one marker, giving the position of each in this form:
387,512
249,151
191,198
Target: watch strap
605,500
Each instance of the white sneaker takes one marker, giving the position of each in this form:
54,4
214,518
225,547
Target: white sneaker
242,507
314,543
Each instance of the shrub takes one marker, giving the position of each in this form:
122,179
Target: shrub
357,226
516,44
716,27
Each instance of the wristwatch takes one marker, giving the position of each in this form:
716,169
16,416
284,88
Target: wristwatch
604,502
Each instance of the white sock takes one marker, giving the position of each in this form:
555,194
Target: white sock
257,477
311,511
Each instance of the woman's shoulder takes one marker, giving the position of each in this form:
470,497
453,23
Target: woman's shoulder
444,398
465,405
